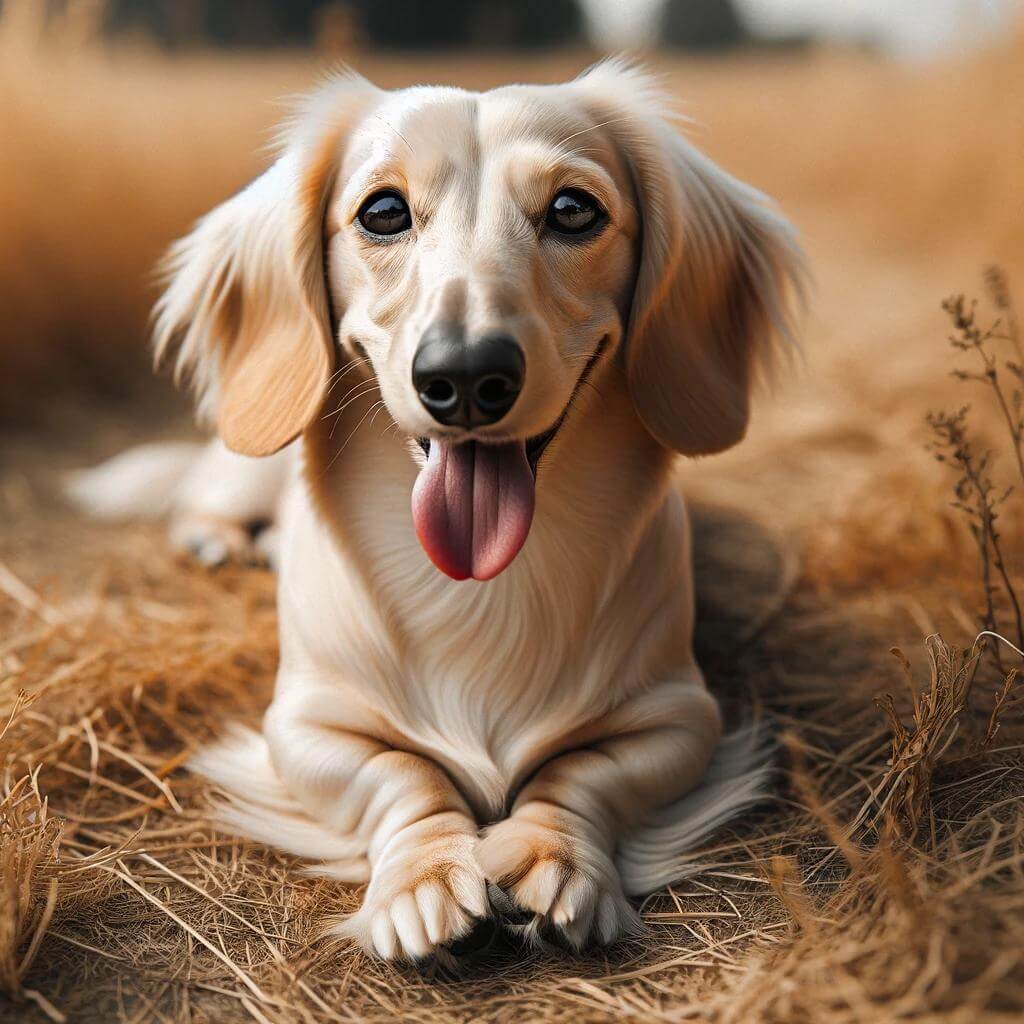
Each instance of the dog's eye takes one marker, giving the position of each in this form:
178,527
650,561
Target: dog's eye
573,211
385,213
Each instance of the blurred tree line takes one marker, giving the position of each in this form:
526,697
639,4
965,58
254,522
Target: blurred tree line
406,24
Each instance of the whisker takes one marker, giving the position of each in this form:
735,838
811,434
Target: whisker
593,128
332,380
358,384
350,396
343,371
375,415
337,454
348,365
395,130
355,387
336,415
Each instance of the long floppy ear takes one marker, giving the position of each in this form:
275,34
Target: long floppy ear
246,305
717,266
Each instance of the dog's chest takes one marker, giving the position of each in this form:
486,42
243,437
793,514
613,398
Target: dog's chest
489,679
478,678
494,669
482,677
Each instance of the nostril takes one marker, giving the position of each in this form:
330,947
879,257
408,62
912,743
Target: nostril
467,383
495,392
439,392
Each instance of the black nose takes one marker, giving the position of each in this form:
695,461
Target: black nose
467,383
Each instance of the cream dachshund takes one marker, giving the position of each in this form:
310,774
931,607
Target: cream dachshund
478,328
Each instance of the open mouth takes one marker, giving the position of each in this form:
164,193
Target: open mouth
534,446
472,504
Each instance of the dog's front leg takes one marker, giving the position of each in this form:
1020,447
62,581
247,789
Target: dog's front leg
425,886
553,854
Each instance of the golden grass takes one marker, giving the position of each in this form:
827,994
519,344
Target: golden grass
885,879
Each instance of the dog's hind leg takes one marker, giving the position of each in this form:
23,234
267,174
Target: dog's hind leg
227,507
219,506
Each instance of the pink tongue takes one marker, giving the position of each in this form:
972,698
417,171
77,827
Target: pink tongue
472,507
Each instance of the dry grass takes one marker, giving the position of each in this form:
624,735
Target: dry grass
814,908
885,879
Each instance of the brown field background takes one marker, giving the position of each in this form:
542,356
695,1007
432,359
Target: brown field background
824,539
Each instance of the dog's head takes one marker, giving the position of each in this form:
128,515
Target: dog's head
479,256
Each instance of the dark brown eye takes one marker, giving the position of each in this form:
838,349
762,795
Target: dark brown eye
573,211
385,213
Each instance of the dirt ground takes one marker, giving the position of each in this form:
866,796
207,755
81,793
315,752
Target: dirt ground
822,541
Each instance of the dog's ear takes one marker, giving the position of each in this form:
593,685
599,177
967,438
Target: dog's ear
717,266
246,305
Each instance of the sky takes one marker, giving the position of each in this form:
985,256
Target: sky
910,29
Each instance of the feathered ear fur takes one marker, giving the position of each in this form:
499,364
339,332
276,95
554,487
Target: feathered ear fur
717,266
246,305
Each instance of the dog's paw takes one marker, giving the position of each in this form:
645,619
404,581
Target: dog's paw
548,863
426,891
213,541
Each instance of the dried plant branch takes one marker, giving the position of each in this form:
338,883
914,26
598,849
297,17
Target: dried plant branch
1001,705
935,720
920,747
976,494
999,291
970,337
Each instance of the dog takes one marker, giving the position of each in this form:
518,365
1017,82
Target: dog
453,344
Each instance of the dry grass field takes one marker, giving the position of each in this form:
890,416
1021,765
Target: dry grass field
884,879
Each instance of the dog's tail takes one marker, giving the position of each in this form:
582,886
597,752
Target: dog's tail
258,807
140,483
661,852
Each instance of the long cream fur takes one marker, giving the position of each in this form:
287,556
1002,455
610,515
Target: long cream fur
548,730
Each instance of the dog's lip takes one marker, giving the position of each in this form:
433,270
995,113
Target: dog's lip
535,445
538,443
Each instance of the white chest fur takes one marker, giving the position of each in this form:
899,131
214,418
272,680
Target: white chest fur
488,678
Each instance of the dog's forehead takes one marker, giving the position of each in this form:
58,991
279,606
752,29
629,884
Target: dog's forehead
537,113
425,124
